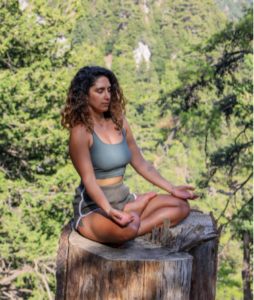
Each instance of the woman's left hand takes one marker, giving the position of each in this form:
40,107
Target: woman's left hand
181,192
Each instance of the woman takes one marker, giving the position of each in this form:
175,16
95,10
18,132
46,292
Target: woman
101,145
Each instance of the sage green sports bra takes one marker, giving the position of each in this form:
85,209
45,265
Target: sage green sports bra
109,160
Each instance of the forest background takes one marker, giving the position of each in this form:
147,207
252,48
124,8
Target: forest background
185,68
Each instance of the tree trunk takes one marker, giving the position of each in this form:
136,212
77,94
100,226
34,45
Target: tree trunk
204,271
137,271
155,266
246,266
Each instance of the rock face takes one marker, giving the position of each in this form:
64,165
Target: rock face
142,51
150,267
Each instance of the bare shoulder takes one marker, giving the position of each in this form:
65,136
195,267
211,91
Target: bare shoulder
126,125
79,151
127,130
80,135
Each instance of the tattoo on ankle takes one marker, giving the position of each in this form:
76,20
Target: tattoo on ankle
150,168
80,223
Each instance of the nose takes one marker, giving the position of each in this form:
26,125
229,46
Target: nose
107,95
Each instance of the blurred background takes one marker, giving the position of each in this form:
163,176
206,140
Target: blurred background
185,67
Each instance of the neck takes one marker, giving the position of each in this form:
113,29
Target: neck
97,117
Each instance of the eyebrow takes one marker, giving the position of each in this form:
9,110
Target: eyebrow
102,88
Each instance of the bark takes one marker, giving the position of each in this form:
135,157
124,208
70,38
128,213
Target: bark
138,271
61,262
150,267
246,266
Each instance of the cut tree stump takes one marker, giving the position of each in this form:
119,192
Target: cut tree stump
169,263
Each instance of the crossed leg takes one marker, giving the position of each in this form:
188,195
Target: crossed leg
160,207
148,210
99,227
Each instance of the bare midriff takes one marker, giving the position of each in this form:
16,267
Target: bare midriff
109,181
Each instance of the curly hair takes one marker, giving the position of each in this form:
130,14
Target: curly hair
76,109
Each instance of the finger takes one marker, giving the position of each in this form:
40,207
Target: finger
190,188
118,216
195,196
126,218
119,221
132,217
124,222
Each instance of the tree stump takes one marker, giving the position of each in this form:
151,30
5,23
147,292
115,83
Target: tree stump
169,263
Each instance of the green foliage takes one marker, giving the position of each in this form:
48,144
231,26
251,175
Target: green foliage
35,54
44,45
214,103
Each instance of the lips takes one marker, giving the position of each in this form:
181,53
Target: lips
105,104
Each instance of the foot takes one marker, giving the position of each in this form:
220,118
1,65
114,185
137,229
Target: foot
140,203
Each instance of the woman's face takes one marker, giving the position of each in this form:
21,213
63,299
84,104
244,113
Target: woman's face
100,95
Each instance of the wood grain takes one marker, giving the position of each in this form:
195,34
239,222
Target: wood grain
96,271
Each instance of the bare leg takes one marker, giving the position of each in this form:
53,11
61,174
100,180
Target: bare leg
140,203
160,207
98,227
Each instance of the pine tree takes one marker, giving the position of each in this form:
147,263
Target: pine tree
35,54
215,96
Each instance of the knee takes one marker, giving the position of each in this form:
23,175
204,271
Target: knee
185,208
132,228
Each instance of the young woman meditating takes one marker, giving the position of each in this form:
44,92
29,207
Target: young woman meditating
101,145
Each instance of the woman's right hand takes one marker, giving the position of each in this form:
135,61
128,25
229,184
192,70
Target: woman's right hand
120,217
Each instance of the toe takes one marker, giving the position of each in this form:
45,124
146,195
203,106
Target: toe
151,195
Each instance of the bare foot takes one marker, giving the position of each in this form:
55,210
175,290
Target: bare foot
140,203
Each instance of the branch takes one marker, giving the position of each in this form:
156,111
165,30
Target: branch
8,64
25,290
13,153
241,185
237,52
49,269
33,92
224,99
46,285
170,137
219,65
8,295
8,280
5,171
236,140
19,125
223,249
240,210
39,138
241,133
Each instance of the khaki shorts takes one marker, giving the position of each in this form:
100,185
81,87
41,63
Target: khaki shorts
118,195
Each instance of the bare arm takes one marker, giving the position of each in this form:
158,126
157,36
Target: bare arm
143,167
80,156
147,171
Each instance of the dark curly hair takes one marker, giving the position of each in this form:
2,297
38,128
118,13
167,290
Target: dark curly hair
76,110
